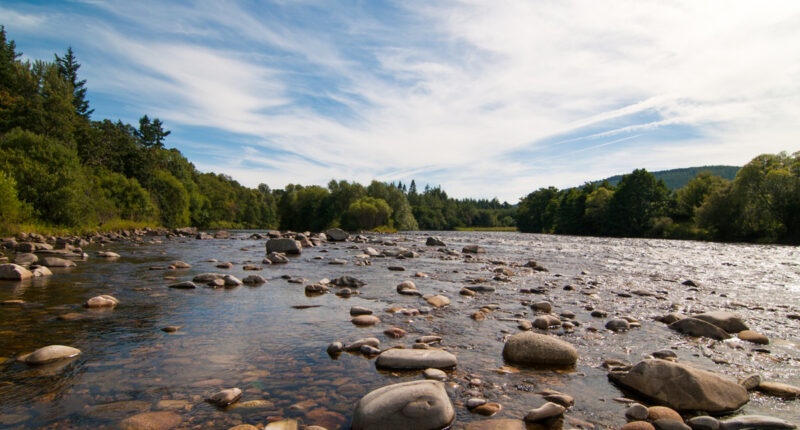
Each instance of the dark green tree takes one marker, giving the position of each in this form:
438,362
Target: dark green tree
68,68
151,134
639,198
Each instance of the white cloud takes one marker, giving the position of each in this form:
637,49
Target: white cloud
455,91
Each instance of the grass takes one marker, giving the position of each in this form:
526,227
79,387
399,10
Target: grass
51,230
486,228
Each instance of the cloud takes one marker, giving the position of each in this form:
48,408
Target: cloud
486,99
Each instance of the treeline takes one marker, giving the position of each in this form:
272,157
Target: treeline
761,204
60,168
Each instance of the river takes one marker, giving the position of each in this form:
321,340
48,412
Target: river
268,342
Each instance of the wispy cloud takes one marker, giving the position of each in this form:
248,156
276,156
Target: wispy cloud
486,99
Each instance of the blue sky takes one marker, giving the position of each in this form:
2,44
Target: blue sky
487,99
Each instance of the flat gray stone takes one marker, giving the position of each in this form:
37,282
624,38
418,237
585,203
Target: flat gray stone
416,359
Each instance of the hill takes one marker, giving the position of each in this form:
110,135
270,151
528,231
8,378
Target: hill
677,178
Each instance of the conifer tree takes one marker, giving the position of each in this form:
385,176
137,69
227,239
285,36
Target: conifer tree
68,67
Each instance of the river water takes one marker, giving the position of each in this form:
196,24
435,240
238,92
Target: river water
256,338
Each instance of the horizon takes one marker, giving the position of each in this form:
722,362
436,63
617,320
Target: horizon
560,95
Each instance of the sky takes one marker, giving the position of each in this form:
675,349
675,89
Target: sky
485,98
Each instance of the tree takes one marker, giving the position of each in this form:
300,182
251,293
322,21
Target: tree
68,68
695,192
11,208
536,213
151,134
639,199
171,198
367,213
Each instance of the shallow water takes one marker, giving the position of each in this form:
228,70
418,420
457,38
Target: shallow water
252,337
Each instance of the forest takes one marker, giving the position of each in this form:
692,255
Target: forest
61,170
761,204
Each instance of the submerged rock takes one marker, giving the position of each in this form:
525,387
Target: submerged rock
163,420
186,285
225,397
254,280
418,405
348,281
682,387
56,262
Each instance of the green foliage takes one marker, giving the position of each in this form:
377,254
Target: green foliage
151,134
12,209
171,198
675,179
537,211
49,176
367,213
129,199
68,68
639,199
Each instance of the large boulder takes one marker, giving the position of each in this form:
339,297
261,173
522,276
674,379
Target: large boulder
14,272
25,259
49,354
534,349
419,405
682,387
415,359
434,241
727,321
286,246
336,234
699,328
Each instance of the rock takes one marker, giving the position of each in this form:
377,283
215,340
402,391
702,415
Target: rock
14,272
205,278
180,265
285,246
394,332
488,409
754,337
434,241
534,349
564,400
107,254
171,329
750,382
226,397
56,262
638,425
25,259
407,288
284,424
365,320
637,412
104,301
359,310
727,321
416,359
186,285
669,318
163,420
467,292
545,307
703,423
231,281
699,328
665,354
438,301
277,258
436,374
655,413
778,389
356,346
221,234
755,422
546,415
474,249
254,280
336,235
316,288
418,405
682,387
41,271
348,281
618,324
49,354
225,265
245,427
499,424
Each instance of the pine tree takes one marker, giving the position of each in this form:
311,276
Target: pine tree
68,67
151,134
